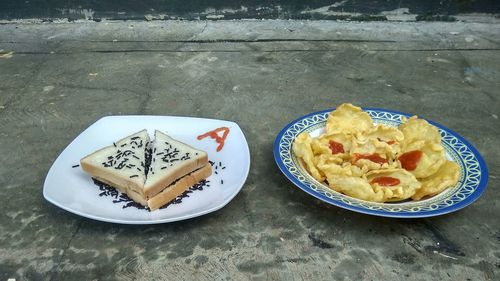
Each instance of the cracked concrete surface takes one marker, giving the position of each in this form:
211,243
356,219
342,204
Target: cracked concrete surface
60,78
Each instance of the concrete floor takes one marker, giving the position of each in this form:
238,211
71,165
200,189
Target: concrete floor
58,78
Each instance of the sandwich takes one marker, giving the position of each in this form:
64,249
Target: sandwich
121,165
174,167
152,173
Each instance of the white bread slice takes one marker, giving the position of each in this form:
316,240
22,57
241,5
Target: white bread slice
121,165
178,187
170,161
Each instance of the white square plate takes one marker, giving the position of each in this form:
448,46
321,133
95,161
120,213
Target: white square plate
73,190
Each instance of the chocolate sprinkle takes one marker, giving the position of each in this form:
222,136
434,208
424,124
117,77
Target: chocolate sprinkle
74,166
148,157
120,198
134,176
199,186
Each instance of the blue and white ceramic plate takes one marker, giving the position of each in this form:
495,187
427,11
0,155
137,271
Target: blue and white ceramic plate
472,182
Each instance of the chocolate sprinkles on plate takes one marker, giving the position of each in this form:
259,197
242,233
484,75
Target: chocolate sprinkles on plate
217,169
121,198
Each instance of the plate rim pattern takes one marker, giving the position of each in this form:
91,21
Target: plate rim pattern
472,183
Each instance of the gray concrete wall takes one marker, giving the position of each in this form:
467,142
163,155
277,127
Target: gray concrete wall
368,10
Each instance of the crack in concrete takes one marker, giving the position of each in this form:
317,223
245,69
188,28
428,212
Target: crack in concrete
443,243
73,235
258,51
33,75
146,94
203,30
80,87
264,40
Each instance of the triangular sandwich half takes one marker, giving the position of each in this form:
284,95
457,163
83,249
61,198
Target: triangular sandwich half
121,165
175,166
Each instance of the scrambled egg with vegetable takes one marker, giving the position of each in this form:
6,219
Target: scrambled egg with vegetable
377,163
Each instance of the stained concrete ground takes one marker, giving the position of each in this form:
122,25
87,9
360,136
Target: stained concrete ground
58,78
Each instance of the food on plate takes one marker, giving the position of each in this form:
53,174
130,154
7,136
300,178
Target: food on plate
447,175
422,158
302,148
121,164
214,135
398,184
150,173
377,162
348,119
175,166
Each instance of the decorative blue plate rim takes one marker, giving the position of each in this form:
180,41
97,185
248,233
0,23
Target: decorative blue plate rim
472,183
